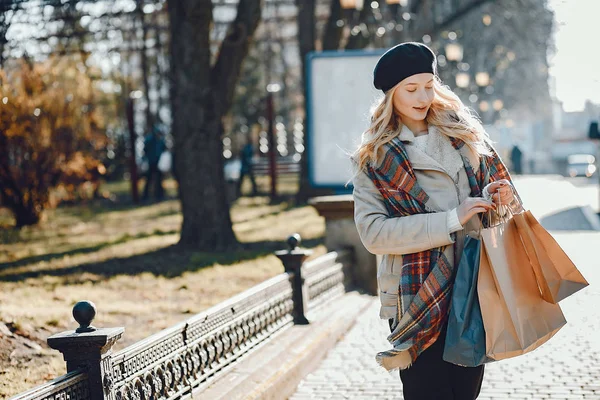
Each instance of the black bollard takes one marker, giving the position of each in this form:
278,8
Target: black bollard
292,260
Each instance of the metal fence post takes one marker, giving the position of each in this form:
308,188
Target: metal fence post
292,260
89,349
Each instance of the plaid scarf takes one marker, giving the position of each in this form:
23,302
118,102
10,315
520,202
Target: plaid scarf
427,276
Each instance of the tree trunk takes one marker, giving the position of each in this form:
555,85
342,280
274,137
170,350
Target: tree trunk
26,212
306,41
333,33
362,39
200,97
3,43
26,216
161,74
144,64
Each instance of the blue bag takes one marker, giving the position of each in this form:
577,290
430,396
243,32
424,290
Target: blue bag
465,338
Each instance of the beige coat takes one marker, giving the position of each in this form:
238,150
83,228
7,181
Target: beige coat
445,180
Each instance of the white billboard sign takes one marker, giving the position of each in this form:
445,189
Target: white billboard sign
340,95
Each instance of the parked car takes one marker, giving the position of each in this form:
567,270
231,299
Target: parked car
581,165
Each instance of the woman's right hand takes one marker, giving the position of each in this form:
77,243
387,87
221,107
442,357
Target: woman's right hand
472,206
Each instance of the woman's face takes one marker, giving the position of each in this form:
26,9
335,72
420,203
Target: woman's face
413,97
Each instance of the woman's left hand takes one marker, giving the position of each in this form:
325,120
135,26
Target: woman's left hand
501,192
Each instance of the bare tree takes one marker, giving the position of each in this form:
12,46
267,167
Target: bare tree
143,23
201,95
306,44
510,42
361,32
7,12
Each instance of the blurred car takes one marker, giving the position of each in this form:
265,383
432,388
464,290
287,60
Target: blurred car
581,165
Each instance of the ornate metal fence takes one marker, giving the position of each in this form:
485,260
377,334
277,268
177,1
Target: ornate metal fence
73,385
180,360
173,362
327,276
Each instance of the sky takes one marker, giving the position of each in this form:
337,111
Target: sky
576,63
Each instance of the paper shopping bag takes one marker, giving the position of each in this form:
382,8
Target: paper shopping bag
556,275
516,318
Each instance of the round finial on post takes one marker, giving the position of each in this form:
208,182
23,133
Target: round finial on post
84,312
294,241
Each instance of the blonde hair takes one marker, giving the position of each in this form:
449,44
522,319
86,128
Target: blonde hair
447,113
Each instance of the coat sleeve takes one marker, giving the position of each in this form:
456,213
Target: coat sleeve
382,234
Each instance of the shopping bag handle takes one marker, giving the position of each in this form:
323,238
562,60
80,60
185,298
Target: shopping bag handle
510,212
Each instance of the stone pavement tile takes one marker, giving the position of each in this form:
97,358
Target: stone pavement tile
525,392
583,392
485,391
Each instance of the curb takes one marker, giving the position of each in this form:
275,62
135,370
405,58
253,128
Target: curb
561,213
592,217
273,371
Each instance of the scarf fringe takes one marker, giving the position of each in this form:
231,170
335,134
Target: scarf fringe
396,362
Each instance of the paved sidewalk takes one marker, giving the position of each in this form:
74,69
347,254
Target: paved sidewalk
567,367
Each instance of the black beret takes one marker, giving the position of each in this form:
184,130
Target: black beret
402,61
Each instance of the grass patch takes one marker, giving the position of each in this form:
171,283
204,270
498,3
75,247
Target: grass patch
124,259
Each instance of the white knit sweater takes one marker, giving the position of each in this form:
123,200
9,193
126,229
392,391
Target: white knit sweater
438,146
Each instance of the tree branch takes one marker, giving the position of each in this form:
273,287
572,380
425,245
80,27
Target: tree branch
361,39
234,49
457,15
8,181
306,28
415,6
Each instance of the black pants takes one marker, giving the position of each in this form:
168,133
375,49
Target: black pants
432,378
252,180
153,177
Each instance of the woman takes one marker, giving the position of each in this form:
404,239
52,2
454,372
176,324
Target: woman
425,170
